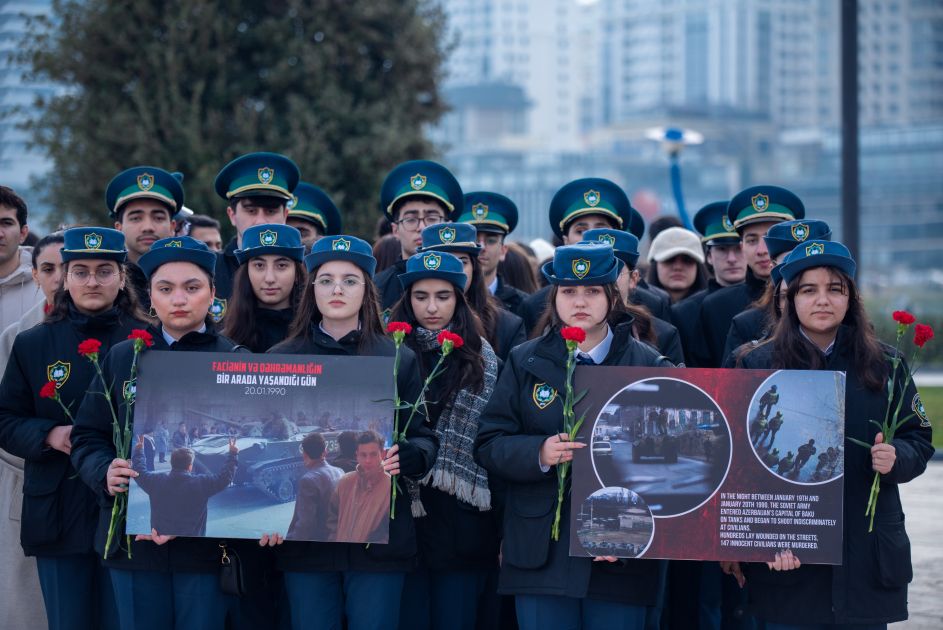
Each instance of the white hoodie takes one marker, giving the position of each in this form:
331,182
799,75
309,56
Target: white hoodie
18,292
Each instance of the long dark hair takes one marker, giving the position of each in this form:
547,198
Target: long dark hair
240,324
484,304
469,371
308,314
550,317
700,280
792,351
517,269
643,324
126,301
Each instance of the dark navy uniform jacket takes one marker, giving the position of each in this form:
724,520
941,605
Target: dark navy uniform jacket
93,451
226,266
751,325
686,315
416,458
870,586
272,326
512,429
59,511
139,284
718,310
389,288
511,297
509,333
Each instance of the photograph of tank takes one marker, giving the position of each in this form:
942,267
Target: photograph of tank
614,522
305,463
664,439
795,425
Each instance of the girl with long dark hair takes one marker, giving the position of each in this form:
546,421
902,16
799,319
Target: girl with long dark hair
166,582
267,286
521,439
326,581
502,328
824,327
458,530
60,512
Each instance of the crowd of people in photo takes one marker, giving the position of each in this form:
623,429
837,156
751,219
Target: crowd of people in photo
755,285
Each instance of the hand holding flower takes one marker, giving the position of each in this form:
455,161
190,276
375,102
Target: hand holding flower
883,455
557,449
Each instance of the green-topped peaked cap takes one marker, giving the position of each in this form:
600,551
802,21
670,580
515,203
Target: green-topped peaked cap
593,195
313,204
96,243
421,178
144,182
489,212
761,204
715,226
261,174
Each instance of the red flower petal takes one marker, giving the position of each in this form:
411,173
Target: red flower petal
922,334
48,390
89,347
143,335
447,335
403,327
903,317
573,333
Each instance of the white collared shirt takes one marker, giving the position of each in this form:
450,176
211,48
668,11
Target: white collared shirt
493,286
600,351
171,341
828,349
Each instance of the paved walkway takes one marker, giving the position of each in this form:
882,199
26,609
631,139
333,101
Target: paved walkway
923,504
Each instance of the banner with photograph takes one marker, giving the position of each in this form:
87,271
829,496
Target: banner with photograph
239,445
697,464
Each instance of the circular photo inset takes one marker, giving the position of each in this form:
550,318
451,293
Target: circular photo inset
615,522
795,424
666,440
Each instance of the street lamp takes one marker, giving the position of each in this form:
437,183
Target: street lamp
673,140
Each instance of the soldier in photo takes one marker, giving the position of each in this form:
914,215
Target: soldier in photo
316,489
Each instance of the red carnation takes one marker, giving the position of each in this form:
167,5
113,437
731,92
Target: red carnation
573,333
49,390
90,347
904,318
141,337
446,336
395,327
922,334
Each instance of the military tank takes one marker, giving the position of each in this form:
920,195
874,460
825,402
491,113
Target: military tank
270,462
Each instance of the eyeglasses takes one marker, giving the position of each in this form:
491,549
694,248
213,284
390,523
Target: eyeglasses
411,223
104,275
325,286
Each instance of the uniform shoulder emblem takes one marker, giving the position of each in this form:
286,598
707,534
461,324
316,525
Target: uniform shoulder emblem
129,390
218,309
920,410
543,395
59,372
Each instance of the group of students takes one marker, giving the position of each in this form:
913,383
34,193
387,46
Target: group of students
475,529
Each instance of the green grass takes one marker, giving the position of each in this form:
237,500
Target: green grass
932,398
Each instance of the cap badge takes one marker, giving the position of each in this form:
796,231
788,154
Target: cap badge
580,268
800,232
340,245
266,175
608,239
268,238
728,225
174,244
814,249
760,202
93,241
145,181
417,181
480,211
291,202
592,198
431,261
447,235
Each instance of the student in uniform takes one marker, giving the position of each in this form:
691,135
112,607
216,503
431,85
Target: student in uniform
339,315
312,212
143,201
257,188
459,531
585,204
168,582
648,328
502,328
755,323
414,195
494,217
267,286
59,512
520,441
825,327
752,212
724,259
